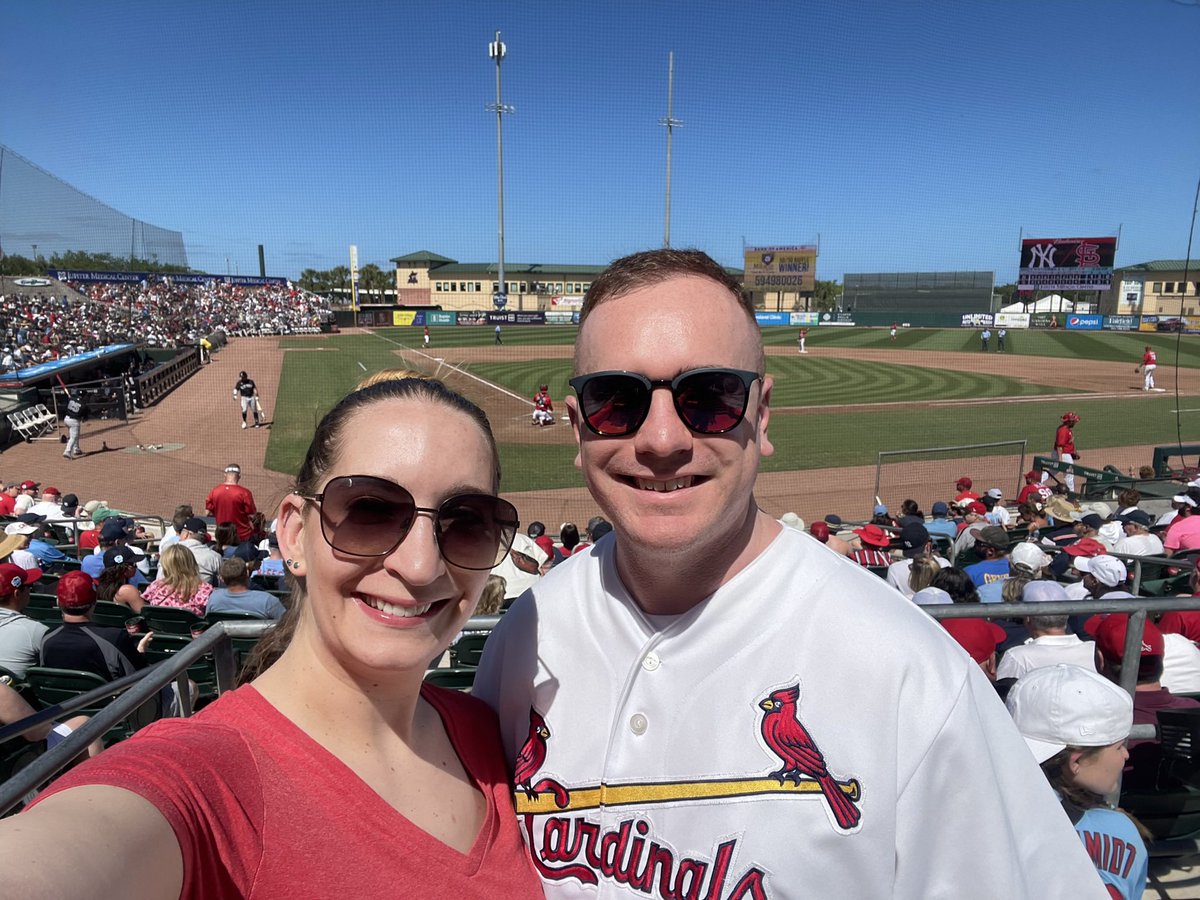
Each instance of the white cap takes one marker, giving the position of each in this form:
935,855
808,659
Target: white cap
1110,533
791,520
1029,555
1044,592
1055,707
523,543
20,528
1183,498
1108,570
995,493
932,596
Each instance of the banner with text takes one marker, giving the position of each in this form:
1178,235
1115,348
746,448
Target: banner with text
804,318
837,318
1084,322
437,317
772,318
976,320
1012,320
1120,323
1067,264
788,269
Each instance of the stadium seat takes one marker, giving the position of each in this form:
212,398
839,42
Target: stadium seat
52,686
454,679
111,614
203,671
170,620
466,651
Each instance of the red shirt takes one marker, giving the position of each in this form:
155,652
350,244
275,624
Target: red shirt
1064,439
1032,492
6,504
1181,621
89,540
1149,359
232,503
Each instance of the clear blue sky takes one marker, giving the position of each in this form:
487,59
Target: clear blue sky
908,136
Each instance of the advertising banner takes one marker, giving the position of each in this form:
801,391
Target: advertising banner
976,320
514,317
1171,324
1120,323
561,317
772,318
78,275
472,318
1084,321
790,269
1067,264
1012,320
837,318
1131,292
804,318
437,317
403,317
566,302
1042,320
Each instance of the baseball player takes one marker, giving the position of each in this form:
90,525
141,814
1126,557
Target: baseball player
688,702
1147,366
801,338
426,335
543,407
247,392
1064,444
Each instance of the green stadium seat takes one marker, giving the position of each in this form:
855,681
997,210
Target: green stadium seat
170,620
203,671
467,650
52,686
454,679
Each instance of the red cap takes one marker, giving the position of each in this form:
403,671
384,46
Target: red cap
1110,636
28,485
76,590
546,543
13,577
819,530
1086,547
976,507
978,637
1033,476
52,490
963,482
873,534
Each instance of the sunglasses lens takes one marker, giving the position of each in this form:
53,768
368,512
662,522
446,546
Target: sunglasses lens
475,531
615,404
711,402
366,516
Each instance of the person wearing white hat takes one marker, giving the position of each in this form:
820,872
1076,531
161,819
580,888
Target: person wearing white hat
1184,531
1026,561
1050,643
1103,576
1075,723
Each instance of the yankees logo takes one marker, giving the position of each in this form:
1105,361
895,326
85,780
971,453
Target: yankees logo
1041,256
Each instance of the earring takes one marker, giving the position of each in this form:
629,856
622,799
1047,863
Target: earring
293,564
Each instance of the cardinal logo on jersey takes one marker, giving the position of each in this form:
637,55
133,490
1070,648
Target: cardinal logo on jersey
791,742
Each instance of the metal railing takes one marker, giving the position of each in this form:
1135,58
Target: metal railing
135,690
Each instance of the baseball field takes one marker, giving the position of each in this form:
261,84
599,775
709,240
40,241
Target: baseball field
854,393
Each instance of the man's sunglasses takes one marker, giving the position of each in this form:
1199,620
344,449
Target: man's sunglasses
366,516
709,401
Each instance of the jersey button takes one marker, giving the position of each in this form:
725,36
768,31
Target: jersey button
651,662
638,723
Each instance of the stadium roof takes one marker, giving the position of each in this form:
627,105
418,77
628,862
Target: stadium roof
422,256
1163,265
518,269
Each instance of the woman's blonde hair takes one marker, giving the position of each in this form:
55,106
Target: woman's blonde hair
180,572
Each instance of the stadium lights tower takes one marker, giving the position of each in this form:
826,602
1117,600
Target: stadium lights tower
670,122
496,51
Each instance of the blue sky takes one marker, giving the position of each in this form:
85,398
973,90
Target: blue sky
907,136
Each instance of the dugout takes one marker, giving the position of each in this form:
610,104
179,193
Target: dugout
899,294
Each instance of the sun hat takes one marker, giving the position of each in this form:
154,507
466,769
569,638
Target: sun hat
1060,706
874,535
791,520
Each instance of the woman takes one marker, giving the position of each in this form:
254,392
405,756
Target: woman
336,772
112,585
1076,723
957,583
179,583
225,539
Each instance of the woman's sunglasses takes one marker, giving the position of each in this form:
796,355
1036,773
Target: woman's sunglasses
709,401
366,516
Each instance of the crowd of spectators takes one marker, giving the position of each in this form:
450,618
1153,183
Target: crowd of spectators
39,327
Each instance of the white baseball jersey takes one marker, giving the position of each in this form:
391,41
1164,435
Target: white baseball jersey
702,755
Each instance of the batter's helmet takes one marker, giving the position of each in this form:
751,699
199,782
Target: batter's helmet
1070,417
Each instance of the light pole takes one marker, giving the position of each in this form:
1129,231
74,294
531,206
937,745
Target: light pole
670,122
496,51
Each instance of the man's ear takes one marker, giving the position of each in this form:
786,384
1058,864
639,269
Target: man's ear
573,412
765,447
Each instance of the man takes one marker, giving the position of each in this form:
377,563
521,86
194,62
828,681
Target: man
1064,445
984,337
46,553
543,406
230,502
236,595
498,341
25,497
109,652
1103,576
8,498
1033,489
941,525
192,535
522,567
871,552
50,506
114,535
76,413
991,543
247,393
1138,541
687,677
1027,560
892,332
1049,641
801,338
962,490
1148,364
1000,337
426,336
20,636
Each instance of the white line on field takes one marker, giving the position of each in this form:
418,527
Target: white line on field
361,366
449,365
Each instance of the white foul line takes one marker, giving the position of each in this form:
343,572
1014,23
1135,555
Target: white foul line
449,365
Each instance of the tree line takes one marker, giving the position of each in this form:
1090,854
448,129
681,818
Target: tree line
17,265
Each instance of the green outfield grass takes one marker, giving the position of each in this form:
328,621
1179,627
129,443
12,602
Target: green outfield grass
313,380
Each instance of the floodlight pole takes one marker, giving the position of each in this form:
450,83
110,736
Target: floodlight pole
496,51
670,122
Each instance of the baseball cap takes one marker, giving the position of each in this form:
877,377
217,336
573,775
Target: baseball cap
31,518
70,502
1140,517
120,556
547,544
52,490
75,590
1108,570
103,513
913,538
523,543
879,510
600,530
1109,632
995,493
1033,476
234,468
1060,706
874,535
115,527
978,637
196,525
932,596
833,519
1086,547
976,507
939,508
1029,554
1044,591
28,485
992,535
13,576
1184,499
1093,521
819,530
251,552
535,529
20,528
964,482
